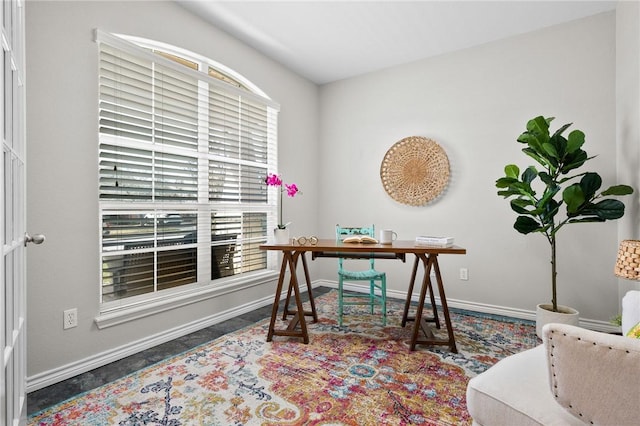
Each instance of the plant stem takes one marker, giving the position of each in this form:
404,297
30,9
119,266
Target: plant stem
280,222
554,274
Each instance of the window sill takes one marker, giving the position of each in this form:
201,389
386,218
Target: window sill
120,315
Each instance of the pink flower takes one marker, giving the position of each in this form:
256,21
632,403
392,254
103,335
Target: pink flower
273,179
292,189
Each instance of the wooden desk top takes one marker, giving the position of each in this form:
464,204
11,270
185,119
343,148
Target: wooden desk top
333,246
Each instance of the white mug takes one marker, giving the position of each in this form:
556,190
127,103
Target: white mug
387,236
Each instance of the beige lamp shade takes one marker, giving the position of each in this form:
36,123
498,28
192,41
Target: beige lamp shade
628,261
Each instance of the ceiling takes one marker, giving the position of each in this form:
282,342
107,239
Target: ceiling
326,41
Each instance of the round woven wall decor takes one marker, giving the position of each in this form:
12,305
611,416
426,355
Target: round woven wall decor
415,170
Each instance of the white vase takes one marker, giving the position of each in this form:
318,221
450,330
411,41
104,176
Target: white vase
281,236
545,315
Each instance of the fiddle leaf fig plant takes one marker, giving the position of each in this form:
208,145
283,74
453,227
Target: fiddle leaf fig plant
557,194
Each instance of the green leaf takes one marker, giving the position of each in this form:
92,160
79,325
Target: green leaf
560,144
618,190
533,154
512,171
529,174
546,178
575,141
505,182
523,187
517,208
587,209
547,200
537,134
574,160
534,142
508,193
549,211
519,205
610,209
550,150
528,138
590,183
586,219
526,225
573,196
539,126
568,178
605,210
523,202
561,130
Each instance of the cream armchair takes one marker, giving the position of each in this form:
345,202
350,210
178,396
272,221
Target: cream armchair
576,377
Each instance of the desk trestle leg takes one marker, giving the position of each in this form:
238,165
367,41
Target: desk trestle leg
289,261
420,322
312,313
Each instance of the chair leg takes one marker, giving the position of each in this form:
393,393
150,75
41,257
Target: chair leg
340,301
372,295
384,300
372,299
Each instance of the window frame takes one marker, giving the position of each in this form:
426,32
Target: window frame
125,309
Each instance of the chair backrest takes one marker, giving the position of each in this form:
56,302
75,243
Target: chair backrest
344,232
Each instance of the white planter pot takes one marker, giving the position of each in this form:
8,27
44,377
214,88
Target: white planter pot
545,315
281,236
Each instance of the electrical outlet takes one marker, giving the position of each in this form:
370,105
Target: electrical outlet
464,274
70,318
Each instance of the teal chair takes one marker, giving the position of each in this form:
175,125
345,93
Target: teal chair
377,280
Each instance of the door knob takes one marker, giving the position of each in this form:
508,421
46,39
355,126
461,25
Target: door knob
36,239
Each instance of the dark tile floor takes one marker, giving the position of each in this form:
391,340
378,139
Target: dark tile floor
51,395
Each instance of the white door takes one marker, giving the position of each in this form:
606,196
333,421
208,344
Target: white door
13,341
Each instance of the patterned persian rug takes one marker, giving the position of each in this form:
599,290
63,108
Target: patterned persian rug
358,374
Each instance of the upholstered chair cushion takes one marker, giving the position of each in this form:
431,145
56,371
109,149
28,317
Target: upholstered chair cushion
515,391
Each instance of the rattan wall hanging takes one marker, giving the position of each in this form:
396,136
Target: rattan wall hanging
415,170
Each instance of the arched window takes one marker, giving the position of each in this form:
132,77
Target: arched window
184,147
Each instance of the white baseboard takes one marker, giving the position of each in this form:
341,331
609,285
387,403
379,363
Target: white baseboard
596,325
67,371
50,377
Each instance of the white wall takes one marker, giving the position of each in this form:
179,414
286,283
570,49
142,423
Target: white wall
475,103
63,175
628,117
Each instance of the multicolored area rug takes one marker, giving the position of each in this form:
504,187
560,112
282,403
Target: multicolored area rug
358,374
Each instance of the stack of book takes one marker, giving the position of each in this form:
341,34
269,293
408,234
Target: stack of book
434,241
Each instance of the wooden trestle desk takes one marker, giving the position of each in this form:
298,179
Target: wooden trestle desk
427,255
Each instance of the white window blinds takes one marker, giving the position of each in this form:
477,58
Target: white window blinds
183,158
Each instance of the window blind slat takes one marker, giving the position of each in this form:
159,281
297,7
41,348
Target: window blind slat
167,137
